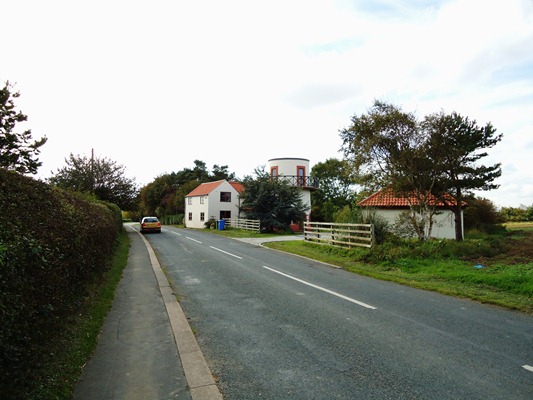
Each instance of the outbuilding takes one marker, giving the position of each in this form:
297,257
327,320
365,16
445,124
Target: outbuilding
390,206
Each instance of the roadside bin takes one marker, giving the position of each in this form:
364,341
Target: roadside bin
221,224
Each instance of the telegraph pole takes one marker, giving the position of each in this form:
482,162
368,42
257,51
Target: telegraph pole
92,170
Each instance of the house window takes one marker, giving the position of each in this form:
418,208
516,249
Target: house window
202,199
274,171
202,216
189,200
225,214
225,197
190,216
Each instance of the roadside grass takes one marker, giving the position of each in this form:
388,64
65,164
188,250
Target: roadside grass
68,356
242,233
485,268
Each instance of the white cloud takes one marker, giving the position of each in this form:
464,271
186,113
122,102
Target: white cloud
239,82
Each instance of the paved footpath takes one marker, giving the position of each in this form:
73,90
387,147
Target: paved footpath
146,349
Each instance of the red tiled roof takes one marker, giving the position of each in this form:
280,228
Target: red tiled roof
237,186
386,198
205,188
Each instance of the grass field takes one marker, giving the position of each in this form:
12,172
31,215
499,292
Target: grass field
519,225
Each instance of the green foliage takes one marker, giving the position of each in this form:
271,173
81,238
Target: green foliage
166,194
17,153
456,145
482,215
381,146
394,251
103,178
357,215
51,256
437,157
336,189
274,202
517,214
60,372
176,219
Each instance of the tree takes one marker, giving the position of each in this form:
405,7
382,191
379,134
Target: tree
101,177
17,153
157,195
165,194
386,150
481,214
517,214
430,161
221,172
336,189
457,144
274,202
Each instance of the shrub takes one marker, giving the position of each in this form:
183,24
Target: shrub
481,215
358,215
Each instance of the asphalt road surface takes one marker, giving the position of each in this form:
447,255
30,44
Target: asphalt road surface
276,326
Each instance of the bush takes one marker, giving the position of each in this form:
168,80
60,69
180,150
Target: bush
358,215
53,245
397,249
481,215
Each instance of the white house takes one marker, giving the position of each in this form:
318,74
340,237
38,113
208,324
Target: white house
212,200
296,171
390,207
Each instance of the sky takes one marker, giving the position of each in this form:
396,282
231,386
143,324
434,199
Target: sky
155,85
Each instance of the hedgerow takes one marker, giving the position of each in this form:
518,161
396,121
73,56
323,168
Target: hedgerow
53,245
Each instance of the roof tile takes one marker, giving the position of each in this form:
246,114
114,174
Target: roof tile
386,198
205,188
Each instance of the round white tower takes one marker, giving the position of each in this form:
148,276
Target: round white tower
297,172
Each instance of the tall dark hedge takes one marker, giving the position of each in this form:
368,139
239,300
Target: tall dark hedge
53,245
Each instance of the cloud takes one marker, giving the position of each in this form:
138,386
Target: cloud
240,82
314,95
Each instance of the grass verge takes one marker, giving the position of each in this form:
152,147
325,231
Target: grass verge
70,354
446,267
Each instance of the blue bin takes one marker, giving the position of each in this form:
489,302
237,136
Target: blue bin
221,224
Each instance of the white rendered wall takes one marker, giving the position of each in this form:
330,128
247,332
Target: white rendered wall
443,225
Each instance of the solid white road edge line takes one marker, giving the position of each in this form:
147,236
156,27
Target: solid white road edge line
528,367
225,252
323,289
194,240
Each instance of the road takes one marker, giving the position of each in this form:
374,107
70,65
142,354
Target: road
276,326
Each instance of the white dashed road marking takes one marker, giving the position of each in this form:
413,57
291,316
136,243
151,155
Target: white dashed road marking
225,252
323,289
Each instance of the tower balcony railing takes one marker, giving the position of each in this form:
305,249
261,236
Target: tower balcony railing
305,182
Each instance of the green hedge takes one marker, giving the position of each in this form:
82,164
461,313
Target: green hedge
53,245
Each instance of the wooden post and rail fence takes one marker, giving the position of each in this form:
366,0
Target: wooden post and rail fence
240,223
344,235
336,234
